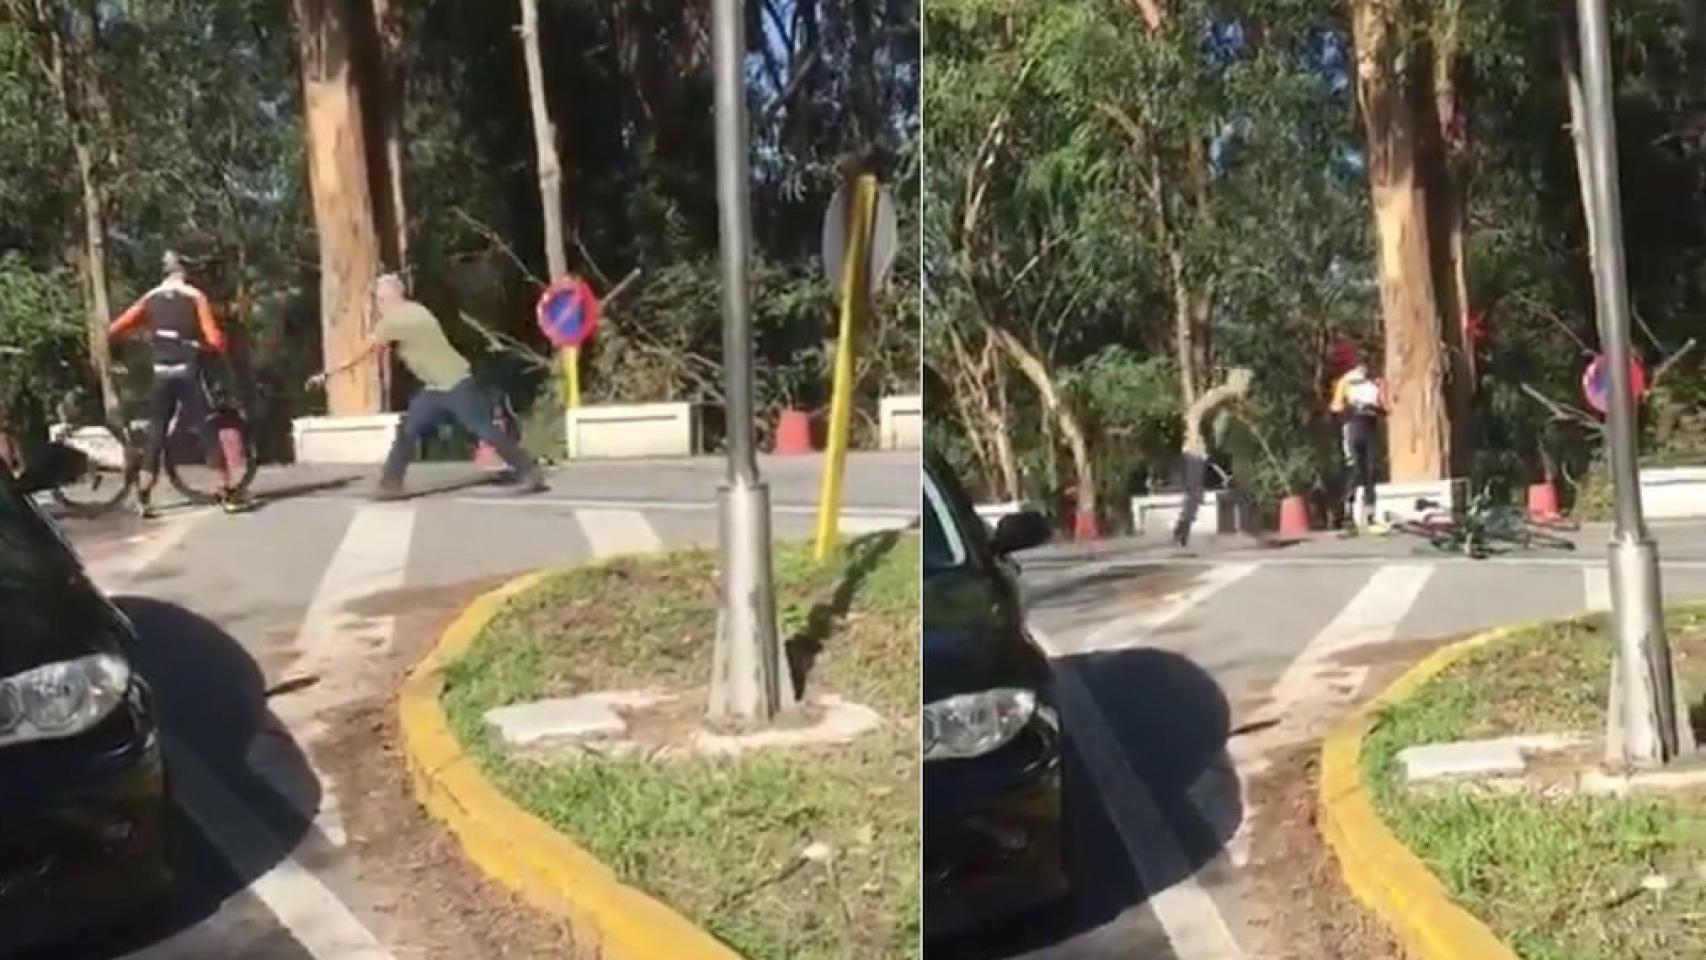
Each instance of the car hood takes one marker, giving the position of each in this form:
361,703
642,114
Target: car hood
48,608
973,641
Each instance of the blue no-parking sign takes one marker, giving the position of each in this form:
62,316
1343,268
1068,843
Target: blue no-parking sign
568,312
1596,382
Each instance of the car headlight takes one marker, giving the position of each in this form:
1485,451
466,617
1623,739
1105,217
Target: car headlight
973,724
61,699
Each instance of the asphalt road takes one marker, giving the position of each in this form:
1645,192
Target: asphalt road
315,585
1182,671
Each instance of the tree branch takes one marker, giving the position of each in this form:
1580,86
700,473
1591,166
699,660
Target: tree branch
1563,411
1670,361
492,237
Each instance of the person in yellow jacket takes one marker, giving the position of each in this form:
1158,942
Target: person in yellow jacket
1359,401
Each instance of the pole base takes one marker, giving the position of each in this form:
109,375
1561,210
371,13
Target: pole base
1647,721
750,679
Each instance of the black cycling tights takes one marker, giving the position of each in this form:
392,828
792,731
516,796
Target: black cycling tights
173,394
1359,461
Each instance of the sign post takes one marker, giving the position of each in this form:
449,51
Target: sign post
567,313
860,240
1642,726
750,675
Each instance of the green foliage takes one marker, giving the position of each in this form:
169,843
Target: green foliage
1083,124
1556,876
1063,207
720,838
201,150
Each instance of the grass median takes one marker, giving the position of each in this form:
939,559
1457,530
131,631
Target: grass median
1558,878
726,841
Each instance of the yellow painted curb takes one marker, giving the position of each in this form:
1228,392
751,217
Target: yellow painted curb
512,846
1380,871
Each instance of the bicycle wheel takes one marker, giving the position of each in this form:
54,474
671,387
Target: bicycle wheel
197,469
110,473
1540,539
1448,542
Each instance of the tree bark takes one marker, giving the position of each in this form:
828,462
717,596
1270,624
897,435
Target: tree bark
94,262
545,144
343,205
1184,327
1036,371
1002,421
388,22
1578,133
1418,426
65,64
1448,190
978,384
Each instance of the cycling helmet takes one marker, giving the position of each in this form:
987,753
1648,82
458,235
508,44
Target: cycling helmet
171,263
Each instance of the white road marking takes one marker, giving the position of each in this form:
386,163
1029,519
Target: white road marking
1193,924
1596,587
371,558
335,643
117,573
335,640
1187,913
1131,630
1314,689
311,912
1373,561
614,532
898,515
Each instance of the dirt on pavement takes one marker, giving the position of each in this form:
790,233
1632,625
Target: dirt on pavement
1301,909
438,905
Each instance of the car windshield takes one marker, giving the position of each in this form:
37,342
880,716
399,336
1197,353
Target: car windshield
944,548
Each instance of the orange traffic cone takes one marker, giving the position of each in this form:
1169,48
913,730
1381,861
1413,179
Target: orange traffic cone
1294,516
794,432
1543,501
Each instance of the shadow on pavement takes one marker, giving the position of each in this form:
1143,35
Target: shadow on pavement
266,496
1147,771
211,698
803,648
457,484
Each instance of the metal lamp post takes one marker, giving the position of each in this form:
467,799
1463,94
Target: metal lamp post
749,678
1642,728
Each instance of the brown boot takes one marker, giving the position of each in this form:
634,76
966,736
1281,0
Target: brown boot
388,490
533,481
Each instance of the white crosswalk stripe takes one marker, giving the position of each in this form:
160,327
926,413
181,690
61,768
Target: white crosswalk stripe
615,532
1305,669
1310,690
1596,588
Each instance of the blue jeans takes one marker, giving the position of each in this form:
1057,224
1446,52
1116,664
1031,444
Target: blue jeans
469,406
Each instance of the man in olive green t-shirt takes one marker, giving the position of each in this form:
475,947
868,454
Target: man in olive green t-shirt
448,388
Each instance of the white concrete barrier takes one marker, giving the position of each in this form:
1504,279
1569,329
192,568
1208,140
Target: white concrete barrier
1395,502
364,439
96,443
1670,493
612,431
991,513
901,422
1157,513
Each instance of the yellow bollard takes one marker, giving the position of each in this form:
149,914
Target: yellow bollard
855,289
572,377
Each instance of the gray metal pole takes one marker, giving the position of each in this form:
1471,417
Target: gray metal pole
748,669
1645,728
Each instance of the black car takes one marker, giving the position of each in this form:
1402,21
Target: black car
992,736
82,783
